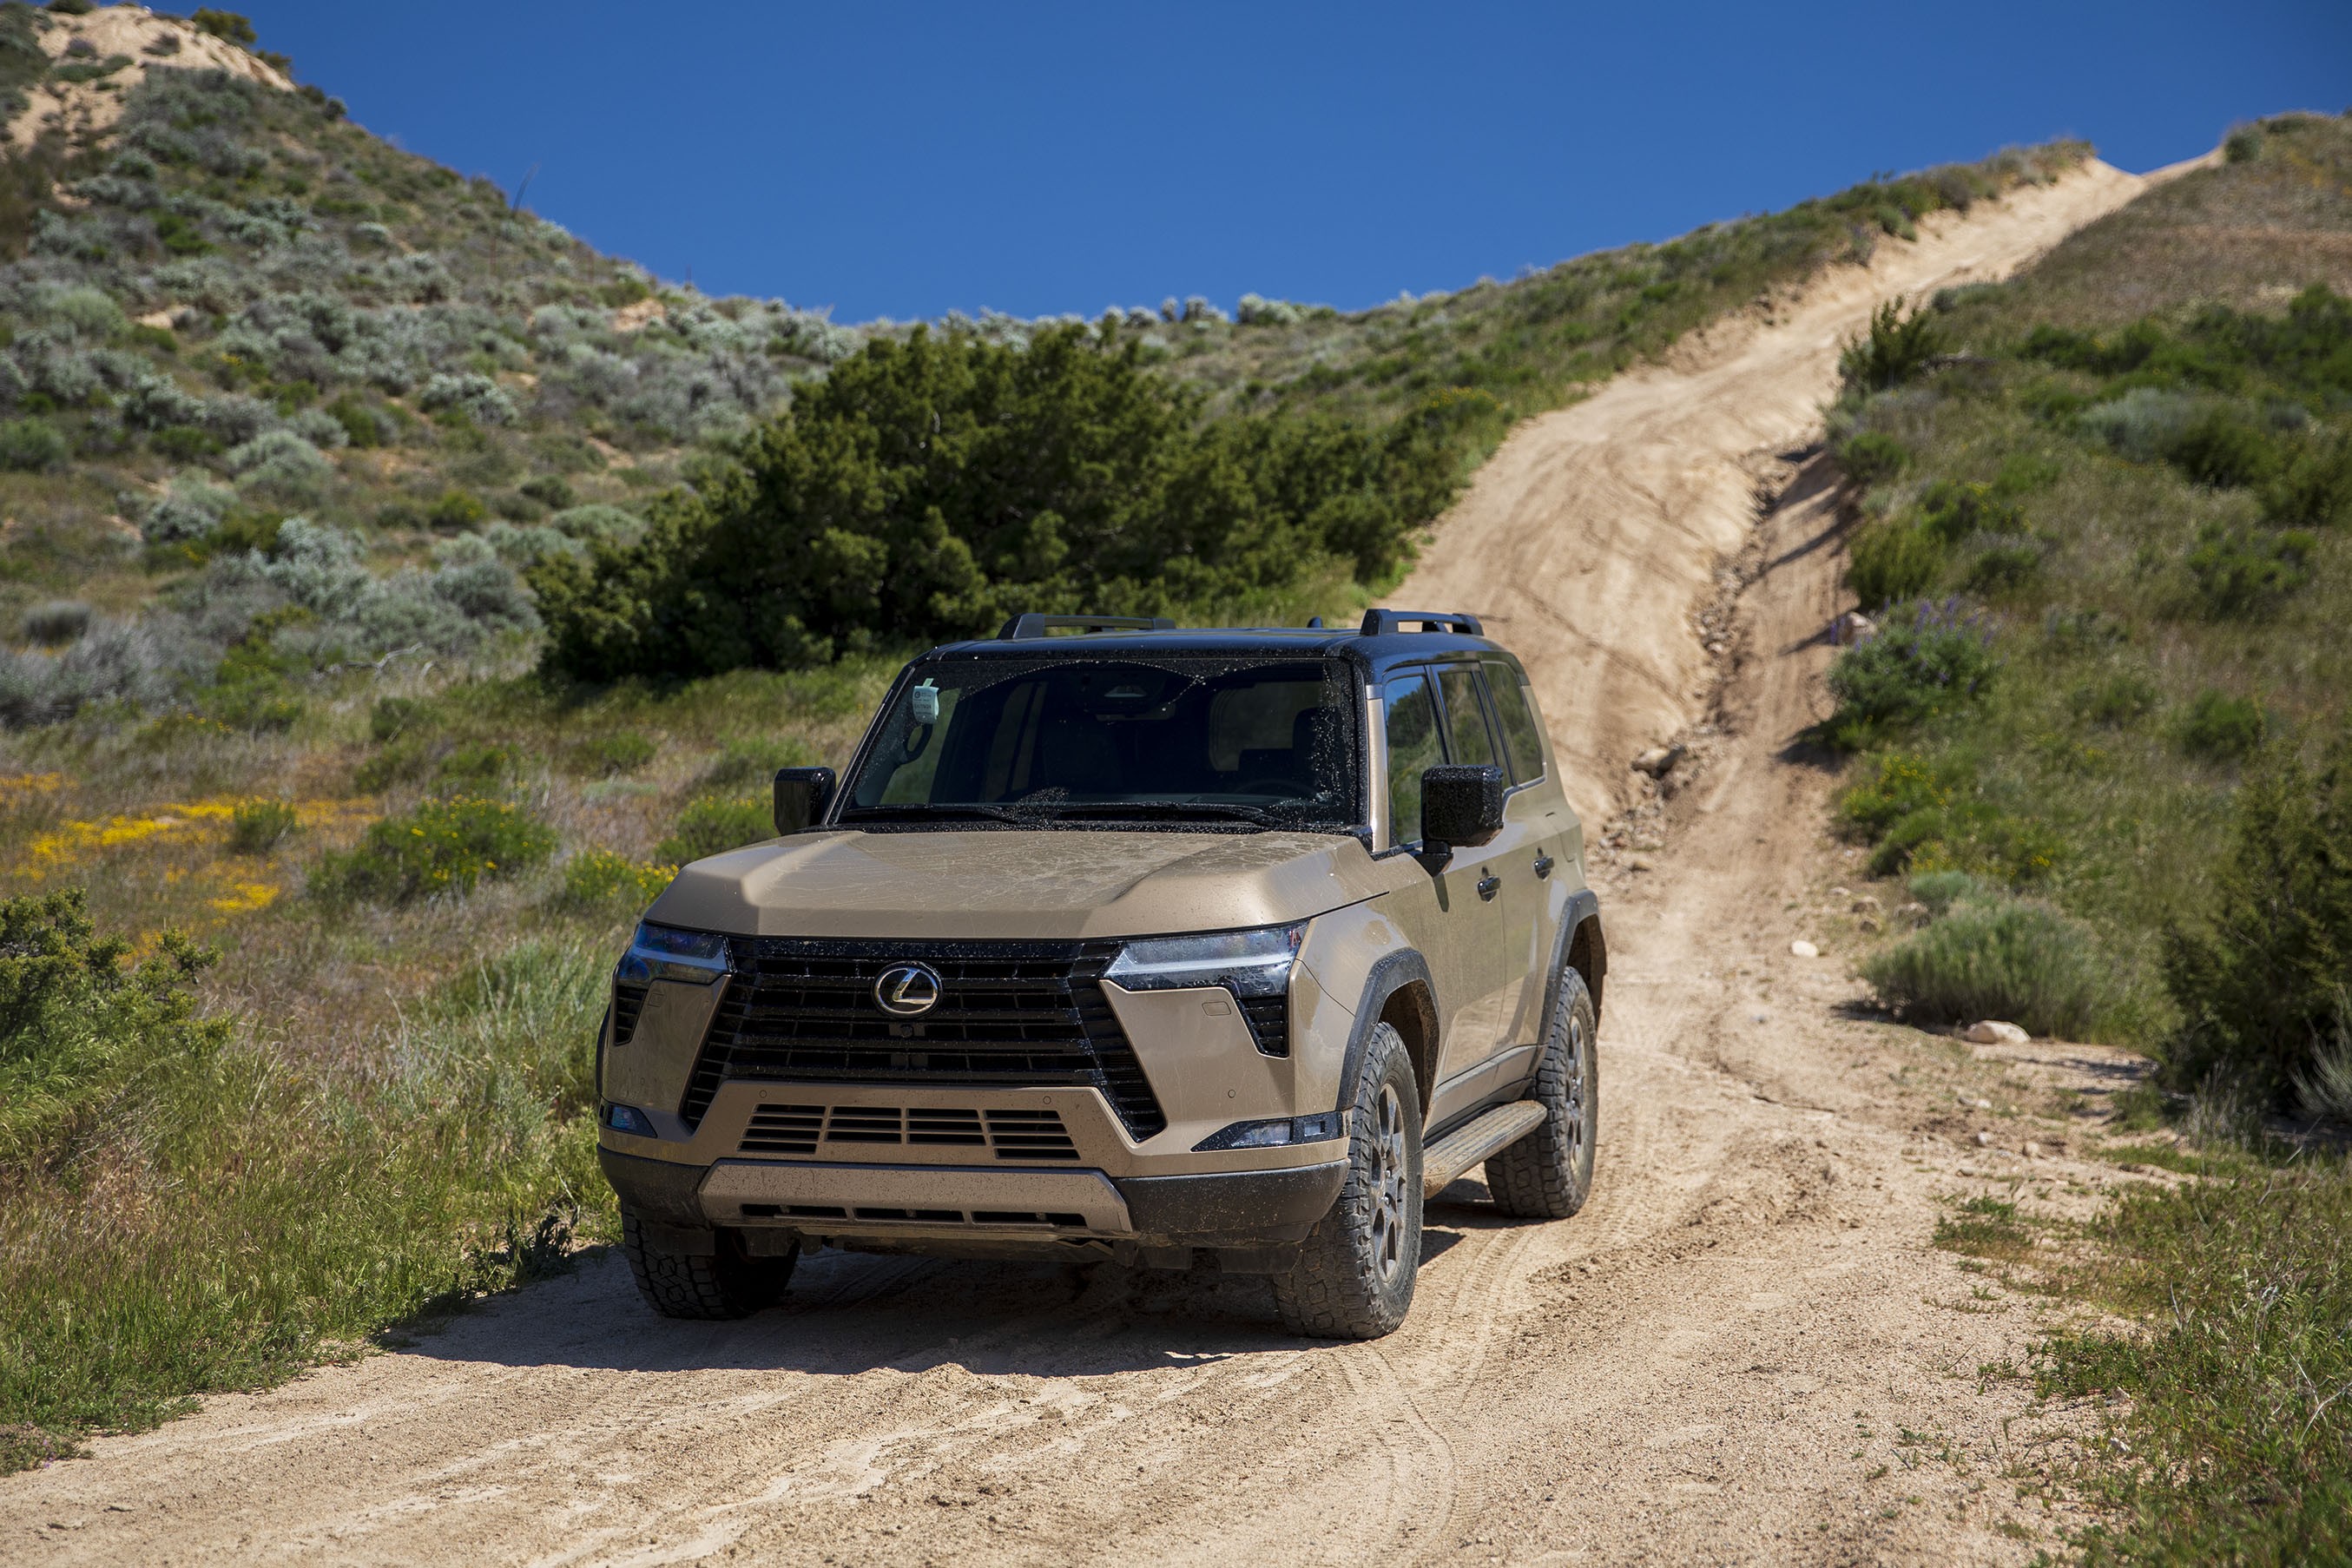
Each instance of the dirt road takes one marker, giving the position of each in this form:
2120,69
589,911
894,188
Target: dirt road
1743,1350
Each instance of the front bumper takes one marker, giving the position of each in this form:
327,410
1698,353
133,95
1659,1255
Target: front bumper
1226,1209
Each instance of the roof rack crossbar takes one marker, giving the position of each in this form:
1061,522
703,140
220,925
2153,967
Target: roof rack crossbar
1036,626
1378,623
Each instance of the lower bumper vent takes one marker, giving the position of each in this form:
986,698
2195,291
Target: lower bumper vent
1009,1134
864,1215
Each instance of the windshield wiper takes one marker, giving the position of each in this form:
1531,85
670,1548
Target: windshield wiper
1162,808
952,810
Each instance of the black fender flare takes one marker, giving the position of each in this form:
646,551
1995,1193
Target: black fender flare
1390,973
1583,911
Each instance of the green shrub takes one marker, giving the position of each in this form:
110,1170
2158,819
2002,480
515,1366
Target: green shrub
442,847
1939,890
1929,659
2258,972
927,489
2314,487
258,826
30,444
361,426
1893,558
550,490
715,825
597,879
756,761
2223,451
79,1025
2221,727
1872,457
2016,959
2240,576
477,762
392,716
1895,349
455,510
621,751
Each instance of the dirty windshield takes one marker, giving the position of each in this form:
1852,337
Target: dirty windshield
1114,742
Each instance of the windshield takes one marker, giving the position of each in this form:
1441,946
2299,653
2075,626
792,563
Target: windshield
1202,740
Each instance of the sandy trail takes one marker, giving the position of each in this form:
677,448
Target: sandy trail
1744,1349
1586,542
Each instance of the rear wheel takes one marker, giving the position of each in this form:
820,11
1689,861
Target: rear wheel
724,1283
1354,1275
1548,1174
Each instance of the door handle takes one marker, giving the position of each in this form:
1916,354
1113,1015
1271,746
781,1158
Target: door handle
1489,885
1543,865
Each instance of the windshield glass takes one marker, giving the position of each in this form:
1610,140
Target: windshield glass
1085,743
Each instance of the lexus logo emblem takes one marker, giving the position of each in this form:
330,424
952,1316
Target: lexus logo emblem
907,990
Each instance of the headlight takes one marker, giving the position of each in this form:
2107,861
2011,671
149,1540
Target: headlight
1246,963
664,952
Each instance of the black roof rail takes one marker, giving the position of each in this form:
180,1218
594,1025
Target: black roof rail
1036,626
1378,623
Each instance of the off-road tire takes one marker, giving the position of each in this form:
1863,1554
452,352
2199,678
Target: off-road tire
1354,1275
1548,1174
726,1284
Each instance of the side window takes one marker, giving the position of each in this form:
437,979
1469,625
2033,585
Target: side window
1465,719
1521,739
1413,746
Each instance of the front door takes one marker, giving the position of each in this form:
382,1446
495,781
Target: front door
1491,1021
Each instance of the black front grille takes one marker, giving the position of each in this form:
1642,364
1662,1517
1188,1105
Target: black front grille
1010,1013
1269,1022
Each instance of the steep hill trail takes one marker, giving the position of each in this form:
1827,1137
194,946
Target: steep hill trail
1743,1350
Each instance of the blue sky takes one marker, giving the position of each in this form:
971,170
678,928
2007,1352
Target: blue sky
903,160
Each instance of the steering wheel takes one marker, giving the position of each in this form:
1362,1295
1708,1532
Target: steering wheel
1289,789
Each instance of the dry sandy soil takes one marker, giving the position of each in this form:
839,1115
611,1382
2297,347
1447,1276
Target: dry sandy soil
141,39
1744,1350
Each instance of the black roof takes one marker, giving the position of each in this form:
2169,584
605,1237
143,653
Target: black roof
1381,640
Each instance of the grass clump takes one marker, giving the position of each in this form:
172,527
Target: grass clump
2230,1393
443,847
260,826
278,1212
2016,959
716,823
601,880
1984,1227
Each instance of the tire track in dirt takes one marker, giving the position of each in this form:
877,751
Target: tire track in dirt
1704,1364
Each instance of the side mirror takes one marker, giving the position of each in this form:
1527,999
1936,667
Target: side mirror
1461,807
801,795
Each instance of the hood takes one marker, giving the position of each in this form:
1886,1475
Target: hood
1053,884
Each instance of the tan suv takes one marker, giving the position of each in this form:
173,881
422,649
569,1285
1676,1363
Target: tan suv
1130,945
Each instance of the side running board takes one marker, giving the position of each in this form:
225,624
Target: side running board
1467,1145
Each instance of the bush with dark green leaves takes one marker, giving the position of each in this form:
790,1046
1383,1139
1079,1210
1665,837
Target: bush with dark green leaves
716,823
1872,457
28,445
444,846
80,1024
2259,973
928,489
2221,727
1895,348
1927,659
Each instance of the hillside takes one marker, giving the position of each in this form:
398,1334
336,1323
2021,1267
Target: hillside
320,837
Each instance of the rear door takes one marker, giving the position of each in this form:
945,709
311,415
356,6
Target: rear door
1536,877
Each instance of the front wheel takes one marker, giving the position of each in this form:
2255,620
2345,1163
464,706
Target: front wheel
1354,1275
723,1283
1548,1174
